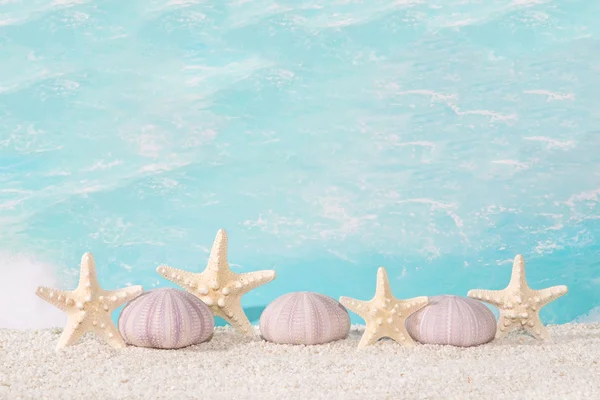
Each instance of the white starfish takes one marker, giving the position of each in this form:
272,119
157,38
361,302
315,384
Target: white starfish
519,305
384,315
218,286
89,307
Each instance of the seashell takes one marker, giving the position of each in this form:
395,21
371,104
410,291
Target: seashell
304,318
166,318
453,320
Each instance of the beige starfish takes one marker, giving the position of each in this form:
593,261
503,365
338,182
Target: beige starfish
384,315
218,287
89,307
519,305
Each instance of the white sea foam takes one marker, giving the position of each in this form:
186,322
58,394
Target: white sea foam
184,3
507,261
67,2
447,207
102,165
494,116
20,308
558,225
434,96
343,19
341,256
418,143
547,247
8,21
592,316
552,95
519,166
552,143
11,204
591,195
527,2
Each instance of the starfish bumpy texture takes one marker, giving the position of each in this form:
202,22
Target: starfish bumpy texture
384,315
218,287
89,307
519,305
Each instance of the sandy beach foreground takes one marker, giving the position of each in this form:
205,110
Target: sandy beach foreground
234,367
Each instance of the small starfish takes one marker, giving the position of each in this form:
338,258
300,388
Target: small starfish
384,315
519,305
218,286
89,307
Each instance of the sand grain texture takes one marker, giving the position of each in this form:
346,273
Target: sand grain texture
231,366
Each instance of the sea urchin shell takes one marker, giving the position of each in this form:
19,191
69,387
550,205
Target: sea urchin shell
166,318
304,318
452,320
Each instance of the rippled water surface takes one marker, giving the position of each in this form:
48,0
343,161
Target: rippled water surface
437,138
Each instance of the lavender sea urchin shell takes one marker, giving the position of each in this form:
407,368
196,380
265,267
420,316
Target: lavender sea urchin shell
452,320
166,319
304,318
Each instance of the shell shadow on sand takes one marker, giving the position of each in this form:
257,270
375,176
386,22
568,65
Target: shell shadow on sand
223,340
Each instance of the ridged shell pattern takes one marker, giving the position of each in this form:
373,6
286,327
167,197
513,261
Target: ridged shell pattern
452,320
304,318
166,318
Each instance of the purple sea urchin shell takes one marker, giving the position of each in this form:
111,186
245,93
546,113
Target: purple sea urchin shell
304,318
166,318
453,320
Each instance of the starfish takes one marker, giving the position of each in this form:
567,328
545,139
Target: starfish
218,286
89,307
519,305
385,315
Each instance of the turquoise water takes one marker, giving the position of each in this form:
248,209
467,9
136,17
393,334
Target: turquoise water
436,138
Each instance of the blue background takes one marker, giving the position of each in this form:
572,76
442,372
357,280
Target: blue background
436,138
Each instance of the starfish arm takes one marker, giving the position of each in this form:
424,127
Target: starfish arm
118,297
251,280
383,289
401,336
58,298
550,294
88,278
217,260
517,277
536,328
358,307
369,337
505,325
494,297
72,331
185,279
110,334
410,306
234,314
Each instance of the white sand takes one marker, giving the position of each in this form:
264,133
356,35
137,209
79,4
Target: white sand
233,367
